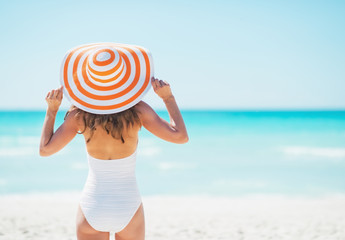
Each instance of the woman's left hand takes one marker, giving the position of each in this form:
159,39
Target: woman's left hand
54,99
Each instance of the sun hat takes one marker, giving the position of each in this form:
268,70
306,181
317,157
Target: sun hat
105,78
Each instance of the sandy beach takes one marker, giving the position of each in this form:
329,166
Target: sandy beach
51,216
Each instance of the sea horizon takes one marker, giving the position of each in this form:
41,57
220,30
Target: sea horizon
196,109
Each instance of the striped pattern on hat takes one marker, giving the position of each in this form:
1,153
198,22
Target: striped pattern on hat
105,78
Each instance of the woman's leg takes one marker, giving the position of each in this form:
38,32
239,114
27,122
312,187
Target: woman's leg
85,231
135,230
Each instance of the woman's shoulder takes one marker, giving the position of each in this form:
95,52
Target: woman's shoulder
144,109
73,114
141,105
146,112
74,118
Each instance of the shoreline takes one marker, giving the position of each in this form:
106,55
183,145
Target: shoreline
261,217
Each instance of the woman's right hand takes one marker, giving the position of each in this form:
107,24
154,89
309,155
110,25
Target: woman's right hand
175,131
161,88
54,99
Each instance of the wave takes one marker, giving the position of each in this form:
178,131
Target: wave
240,183
175,165
25,151
18,151
22,140
149,151
12,146
3,182
314,151
79,165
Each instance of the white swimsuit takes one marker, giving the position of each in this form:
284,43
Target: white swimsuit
111,196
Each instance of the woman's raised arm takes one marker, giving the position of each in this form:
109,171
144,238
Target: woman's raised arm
53,142
175,131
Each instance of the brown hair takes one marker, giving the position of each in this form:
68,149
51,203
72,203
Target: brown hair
113,124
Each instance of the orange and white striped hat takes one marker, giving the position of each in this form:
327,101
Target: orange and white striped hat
105,78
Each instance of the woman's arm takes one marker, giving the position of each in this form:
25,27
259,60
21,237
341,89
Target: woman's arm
175,131
53,142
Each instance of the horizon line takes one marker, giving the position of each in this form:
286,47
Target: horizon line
204,109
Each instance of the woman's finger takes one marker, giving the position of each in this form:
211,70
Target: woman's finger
166,83
161,83
51,94
156,84
57,93
60,94
48,94
153,83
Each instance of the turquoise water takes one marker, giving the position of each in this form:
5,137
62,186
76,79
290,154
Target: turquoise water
229,153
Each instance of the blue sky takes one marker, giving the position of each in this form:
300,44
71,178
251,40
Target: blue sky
215,54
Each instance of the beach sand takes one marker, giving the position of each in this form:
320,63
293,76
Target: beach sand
51,216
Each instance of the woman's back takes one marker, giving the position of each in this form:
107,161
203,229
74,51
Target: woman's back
109,137
104,146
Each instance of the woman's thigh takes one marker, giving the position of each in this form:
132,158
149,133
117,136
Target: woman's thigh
85,231
135,230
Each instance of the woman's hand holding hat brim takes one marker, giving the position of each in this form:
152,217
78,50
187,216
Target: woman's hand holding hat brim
54,99
161,88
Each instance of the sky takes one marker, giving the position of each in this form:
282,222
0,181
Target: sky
215,54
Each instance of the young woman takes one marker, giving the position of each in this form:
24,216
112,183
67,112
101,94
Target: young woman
110,202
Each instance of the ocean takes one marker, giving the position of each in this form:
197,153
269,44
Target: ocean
230,153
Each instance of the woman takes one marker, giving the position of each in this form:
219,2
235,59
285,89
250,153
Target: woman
111,202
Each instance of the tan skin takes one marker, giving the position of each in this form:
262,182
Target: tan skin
105,147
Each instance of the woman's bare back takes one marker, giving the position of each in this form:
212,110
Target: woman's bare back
104,146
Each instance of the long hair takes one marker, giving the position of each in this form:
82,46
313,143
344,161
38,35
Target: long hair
113,124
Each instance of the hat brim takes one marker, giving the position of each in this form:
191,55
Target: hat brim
111,97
